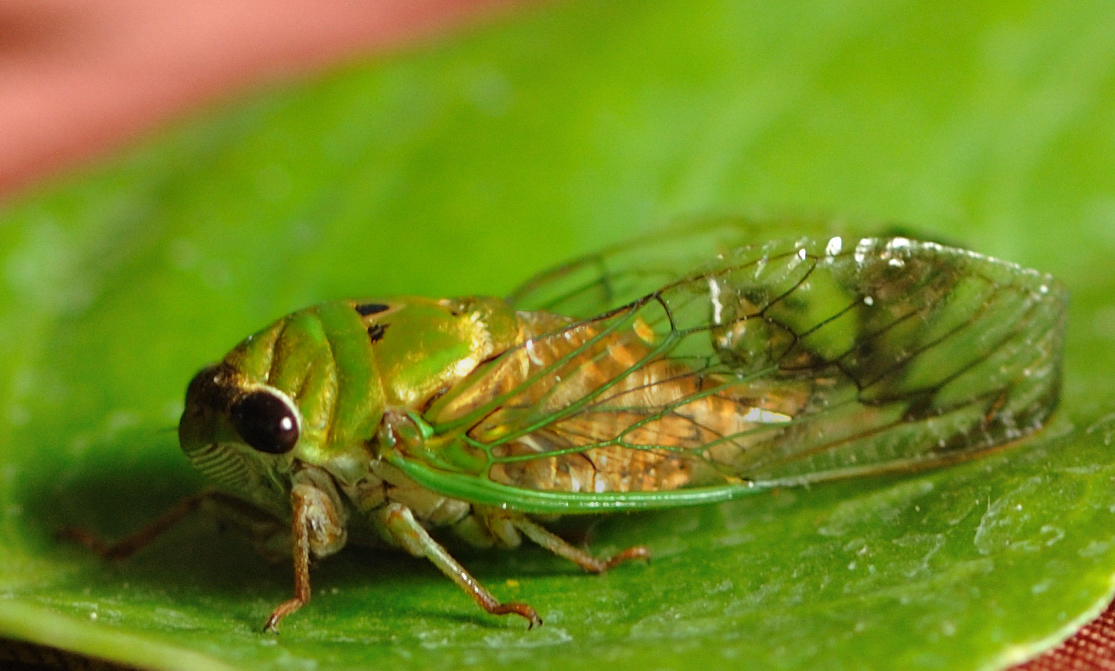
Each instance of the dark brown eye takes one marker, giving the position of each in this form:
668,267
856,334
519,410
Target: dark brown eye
266,422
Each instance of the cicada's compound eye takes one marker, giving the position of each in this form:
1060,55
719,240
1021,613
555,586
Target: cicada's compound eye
266,421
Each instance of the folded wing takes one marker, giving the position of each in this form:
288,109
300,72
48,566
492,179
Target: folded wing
790,361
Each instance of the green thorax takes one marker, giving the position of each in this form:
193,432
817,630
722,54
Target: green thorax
345,364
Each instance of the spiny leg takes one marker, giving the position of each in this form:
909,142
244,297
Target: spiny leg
559,546
400,523
128,546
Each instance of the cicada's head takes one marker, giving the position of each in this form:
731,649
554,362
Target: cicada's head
305,390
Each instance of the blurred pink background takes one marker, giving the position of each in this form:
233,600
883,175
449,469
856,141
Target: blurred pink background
81,77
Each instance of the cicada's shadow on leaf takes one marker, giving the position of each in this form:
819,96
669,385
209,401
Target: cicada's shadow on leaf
111,488
199,562
114,487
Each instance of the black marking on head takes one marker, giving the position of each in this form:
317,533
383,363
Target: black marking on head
214,386
366,309
376,331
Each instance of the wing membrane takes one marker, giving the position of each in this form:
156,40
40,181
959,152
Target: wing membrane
790,361
616,276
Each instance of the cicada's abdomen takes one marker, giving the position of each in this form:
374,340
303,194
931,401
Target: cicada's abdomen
646,418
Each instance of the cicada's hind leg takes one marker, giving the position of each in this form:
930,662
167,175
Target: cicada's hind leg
400,524
264,530
558,545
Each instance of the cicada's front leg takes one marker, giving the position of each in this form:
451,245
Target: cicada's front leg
317,527
398,521
264,530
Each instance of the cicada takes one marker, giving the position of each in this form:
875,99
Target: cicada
681,370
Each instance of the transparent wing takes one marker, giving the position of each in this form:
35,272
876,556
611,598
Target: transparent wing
613,277
786,362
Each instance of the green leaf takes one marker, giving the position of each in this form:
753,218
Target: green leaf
463,168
